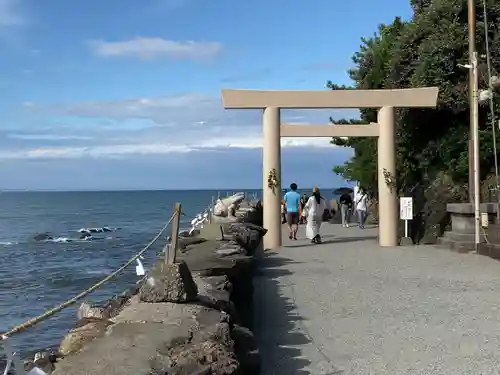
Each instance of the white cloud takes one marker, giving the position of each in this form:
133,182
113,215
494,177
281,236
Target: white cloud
124,150
148,126
10,13
153,48
47,137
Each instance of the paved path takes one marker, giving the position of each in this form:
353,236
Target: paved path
350,307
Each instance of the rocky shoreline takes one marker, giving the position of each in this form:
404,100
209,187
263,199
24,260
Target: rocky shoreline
194,317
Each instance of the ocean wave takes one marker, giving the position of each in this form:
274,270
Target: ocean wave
47,237
8,243
69,239
103,271
58,239
97,230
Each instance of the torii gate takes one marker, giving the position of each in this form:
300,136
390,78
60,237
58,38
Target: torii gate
386,100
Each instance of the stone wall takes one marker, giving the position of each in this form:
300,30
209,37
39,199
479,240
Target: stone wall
194,317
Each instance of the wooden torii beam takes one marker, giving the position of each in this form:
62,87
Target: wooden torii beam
330,130
406,98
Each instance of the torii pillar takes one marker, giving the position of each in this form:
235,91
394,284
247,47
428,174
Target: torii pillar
384,129
271,160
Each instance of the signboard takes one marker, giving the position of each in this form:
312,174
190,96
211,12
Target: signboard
406,208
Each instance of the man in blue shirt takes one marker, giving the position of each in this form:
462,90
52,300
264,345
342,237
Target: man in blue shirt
292,201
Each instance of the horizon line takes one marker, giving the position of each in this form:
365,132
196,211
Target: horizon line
235,190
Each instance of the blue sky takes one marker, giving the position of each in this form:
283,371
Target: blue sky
126,93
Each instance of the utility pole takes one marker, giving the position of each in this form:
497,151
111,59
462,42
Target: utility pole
472,49
475,131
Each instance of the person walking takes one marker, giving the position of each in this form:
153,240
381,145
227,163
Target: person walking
355,196
292,202
345,201
283,212
315,208
361,207
303,201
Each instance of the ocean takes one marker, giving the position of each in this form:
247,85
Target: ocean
38,275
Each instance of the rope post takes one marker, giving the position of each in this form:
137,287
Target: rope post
211,211
171,254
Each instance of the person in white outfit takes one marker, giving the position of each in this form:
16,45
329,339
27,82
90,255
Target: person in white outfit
361,207
315,207
355,197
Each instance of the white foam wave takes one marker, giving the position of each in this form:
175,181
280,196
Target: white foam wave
97,230
59,239
68,239
99,272
7,243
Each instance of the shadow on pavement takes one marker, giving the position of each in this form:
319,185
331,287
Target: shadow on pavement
276,320
334,240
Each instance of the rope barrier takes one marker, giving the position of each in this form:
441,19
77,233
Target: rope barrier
31,322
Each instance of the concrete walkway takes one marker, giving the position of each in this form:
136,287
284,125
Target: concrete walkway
350,307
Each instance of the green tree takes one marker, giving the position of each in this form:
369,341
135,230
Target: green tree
424,51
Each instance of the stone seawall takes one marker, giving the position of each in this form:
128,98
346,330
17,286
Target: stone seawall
194,317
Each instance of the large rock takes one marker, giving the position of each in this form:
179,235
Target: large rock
42,237
169,283
228,205
215,292
254,216
230,248
431,218
108,308
246,350
189,241
85,331
209,351
126,349
234,199
220,209
238,267
248,236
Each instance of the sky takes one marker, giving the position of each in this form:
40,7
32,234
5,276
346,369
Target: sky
125,94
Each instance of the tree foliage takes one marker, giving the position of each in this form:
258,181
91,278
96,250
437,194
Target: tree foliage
424,51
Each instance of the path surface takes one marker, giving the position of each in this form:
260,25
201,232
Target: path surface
350,307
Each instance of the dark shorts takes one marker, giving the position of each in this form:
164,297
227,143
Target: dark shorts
292,218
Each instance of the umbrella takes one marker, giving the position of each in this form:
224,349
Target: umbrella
343,190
